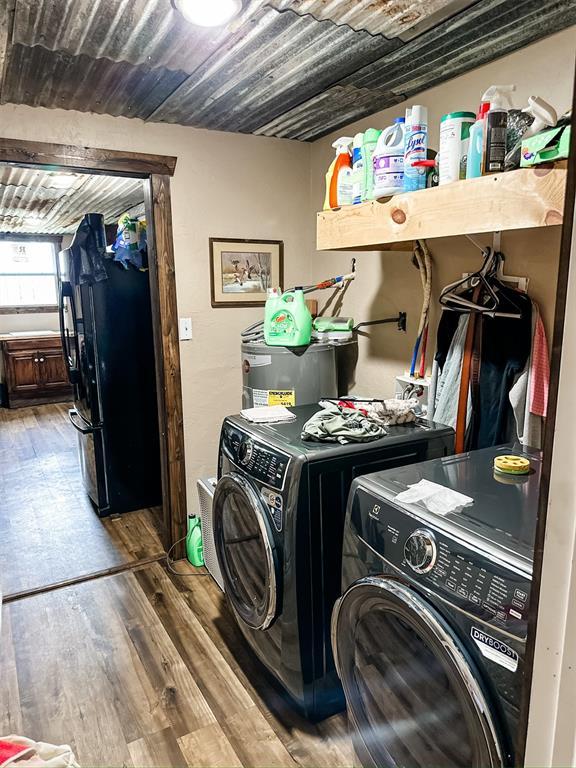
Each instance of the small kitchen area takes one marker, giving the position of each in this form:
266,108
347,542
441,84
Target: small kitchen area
51,530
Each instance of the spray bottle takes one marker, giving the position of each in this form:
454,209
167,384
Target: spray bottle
339,175
416,147
357,168
496,127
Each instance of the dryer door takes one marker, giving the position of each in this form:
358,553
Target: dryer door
246,552
414,695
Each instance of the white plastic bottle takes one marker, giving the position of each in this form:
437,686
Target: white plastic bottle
416,147
388,160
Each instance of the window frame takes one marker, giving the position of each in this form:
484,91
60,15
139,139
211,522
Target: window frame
26,309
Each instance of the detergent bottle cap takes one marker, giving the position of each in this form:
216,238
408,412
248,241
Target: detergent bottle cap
343,144
543,113
499,96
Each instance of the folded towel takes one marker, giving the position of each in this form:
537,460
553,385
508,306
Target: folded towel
267,414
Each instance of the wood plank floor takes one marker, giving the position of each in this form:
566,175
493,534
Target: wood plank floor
145,668
49,531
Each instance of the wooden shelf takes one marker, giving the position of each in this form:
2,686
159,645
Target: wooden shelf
522,199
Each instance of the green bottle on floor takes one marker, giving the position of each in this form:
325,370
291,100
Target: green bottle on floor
194,548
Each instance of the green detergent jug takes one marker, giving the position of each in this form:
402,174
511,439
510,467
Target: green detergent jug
194,548
287,320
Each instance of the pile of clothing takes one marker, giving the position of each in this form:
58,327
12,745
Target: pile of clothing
357,421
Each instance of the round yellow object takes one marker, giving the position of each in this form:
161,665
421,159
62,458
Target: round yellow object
512,465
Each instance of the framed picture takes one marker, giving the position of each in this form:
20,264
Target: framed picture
241,271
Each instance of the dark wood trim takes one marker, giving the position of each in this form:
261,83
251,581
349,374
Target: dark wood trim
36,309
167,345
112,571
230,304
36,153
548,443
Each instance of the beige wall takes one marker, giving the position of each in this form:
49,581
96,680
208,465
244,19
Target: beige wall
387,282
226,185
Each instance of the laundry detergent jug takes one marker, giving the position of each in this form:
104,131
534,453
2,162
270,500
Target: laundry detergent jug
287,320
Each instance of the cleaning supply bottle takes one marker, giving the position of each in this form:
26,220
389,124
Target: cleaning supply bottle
416,147
388,160
357,168
287,319
543,113
496,125
339,175
194,548
476,146
369,144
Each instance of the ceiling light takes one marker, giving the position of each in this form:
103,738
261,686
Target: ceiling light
208,13
62,180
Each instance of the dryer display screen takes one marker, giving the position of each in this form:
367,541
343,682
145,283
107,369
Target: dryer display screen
261,462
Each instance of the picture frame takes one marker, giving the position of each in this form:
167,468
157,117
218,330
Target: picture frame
241,270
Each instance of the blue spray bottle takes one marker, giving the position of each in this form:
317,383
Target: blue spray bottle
416,147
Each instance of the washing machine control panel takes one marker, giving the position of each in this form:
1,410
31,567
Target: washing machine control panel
471,577
262,462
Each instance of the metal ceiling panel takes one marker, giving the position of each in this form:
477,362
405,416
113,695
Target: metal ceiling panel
42,78
138,32
483,33
336,107
32,202
281,61
391,18
475,37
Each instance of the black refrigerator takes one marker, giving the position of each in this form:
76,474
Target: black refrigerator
107,337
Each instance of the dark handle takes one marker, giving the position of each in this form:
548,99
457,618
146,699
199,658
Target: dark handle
83,429
66,291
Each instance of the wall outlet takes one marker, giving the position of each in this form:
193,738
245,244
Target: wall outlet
185,328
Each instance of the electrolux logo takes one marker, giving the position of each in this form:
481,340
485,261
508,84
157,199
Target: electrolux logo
375,511
495,650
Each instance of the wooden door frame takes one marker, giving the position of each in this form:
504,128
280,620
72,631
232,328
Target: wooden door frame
155,171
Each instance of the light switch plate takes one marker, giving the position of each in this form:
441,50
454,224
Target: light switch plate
185,328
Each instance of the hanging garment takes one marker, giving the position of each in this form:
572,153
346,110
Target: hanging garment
529,411
502,348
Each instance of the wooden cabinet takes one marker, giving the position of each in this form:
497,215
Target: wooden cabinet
35,371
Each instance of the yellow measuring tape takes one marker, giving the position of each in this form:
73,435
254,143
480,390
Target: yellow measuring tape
512,465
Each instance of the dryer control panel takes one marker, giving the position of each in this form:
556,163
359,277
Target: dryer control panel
258,460
472,578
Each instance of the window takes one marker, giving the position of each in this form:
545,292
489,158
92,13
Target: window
27,275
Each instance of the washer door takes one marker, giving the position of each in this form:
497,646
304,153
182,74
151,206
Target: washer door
414,695
245,550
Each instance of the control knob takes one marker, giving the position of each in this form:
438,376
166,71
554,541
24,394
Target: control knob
420,550
245,452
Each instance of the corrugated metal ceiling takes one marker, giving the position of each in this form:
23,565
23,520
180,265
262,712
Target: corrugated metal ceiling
32,201
294,68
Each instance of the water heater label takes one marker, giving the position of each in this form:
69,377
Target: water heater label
495,650
285,397
257,361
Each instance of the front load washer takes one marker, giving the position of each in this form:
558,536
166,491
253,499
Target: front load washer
430,633
278,516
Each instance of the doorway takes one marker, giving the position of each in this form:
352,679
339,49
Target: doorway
75,543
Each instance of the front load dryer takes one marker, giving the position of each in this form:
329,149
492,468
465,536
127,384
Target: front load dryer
278,516
430,633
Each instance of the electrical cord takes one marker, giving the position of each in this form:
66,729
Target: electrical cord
170,562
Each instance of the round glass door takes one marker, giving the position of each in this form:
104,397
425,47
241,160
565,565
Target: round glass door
245,550
413,694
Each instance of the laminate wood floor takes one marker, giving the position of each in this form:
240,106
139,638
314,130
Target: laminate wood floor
49,531
145,668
